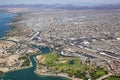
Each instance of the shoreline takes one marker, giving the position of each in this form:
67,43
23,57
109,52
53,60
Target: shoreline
57,75
19,68
14,26
4,37
6,24
60,74
53,74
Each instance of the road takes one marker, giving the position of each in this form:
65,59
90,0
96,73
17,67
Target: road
105,76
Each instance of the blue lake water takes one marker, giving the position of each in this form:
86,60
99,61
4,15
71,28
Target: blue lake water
43,50
5,17
28,74
23,74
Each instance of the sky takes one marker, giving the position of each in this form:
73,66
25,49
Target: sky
74,2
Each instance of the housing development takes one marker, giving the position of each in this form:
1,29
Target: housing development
84,44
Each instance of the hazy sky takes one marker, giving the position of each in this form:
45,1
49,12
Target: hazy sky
59,1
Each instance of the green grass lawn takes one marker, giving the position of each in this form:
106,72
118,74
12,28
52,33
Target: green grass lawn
50,59
98,72
114,78
72,66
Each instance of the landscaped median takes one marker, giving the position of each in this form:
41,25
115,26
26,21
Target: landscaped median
73,67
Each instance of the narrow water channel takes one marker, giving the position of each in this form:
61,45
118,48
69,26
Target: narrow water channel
23,74
28,74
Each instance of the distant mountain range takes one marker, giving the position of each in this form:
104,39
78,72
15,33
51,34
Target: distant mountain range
61,6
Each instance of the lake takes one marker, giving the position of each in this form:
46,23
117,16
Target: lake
5,17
